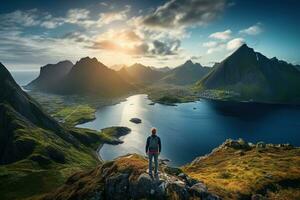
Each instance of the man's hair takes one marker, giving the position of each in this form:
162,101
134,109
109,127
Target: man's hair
153,130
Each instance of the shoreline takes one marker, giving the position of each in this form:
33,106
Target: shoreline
97,152
250,102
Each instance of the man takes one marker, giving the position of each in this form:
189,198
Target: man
153,149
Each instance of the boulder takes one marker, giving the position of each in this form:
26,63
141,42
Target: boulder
258,197
136,120
260,145
239,144
116,187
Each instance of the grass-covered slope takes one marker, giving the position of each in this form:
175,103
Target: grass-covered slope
77,114
36,152
237,170
170,95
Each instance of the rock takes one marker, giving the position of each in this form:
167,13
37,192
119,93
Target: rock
236,144
116,187
145,186
151,104
41,160
182,175
136,120
260,145
178,190
55,154
96,196
124,179
200,190
240,152
258,197
173,170
190,181
163,161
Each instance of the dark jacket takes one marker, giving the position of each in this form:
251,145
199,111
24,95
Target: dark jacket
148,142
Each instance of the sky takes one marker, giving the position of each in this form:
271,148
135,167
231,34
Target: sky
156,33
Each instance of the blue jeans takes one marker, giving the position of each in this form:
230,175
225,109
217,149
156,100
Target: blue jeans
151,156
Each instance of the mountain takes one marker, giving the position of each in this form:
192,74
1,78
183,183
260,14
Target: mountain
36,152
50,75
185,74
89,76
141,74
255,77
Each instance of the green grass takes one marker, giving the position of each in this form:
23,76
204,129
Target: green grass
170,95
51,159
74,115
235,175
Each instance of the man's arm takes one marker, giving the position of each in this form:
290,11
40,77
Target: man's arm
147,144
159,145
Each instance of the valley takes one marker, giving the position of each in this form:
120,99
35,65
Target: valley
73,128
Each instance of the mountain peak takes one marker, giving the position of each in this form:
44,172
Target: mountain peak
137,65
242,51
188,62
4,73
87,59
244,48
88,62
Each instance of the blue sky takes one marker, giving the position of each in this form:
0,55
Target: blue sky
157,33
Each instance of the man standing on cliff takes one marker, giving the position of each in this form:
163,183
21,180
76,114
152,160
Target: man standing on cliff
153,149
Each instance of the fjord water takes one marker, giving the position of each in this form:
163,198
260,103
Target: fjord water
192,129
24,77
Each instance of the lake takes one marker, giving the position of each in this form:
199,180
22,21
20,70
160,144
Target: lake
192,129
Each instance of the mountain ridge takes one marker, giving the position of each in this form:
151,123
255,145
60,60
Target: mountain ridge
186,74
254,76
50,75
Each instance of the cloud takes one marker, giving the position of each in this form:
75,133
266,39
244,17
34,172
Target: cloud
107,18
235,43
165,48
77,15
219,47
210,44
81,17
252,30
76,37
225,35
129,42
184,13
29,18
20,18
214,46
196,57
